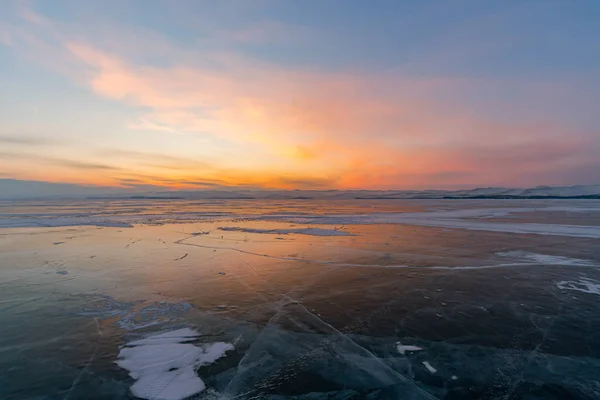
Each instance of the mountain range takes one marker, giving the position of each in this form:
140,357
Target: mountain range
20,189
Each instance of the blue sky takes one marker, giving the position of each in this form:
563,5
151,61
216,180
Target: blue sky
316,94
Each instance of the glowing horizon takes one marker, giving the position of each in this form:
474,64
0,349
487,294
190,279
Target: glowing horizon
317,95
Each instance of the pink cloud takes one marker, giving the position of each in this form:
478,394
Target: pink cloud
391,128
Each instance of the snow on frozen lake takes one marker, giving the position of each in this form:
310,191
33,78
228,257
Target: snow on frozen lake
164,365
382,299
301,231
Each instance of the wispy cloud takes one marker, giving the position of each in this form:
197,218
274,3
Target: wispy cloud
29,140
81,165
156,160
144,124
61,162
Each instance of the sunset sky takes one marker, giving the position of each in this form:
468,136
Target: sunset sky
309,94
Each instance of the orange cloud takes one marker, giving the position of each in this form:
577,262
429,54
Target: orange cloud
376,132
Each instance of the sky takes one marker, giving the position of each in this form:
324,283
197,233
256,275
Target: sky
312,94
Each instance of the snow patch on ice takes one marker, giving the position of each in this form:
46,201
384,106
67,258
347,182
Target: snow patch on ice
429,367
164,365
402,349
546,259
470,218
300,231
584,285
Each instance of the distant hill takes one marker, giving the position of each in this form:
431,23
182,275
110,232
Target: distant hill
18,189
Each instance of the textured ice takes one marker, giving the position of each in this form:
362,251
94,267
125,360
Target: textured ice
164,365
103,306
33,221
321,354
131,317
117,219
301,231
152,315
471,219
584,285
523,326
434,220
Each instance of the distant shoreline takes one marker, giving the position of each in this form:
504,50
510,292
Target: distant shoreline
496,197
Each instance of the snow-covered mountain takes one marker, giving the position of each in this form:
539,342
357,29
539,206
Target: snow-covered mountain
537,192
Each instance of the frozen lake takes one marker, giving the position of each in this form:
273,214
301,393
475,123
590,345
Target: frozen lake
300,299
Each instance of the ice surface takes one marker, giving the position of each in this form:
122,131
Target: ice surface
471,218
164,365
454,220
301,231
33,221
281,358
152,315
130,315
584,285
309,321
